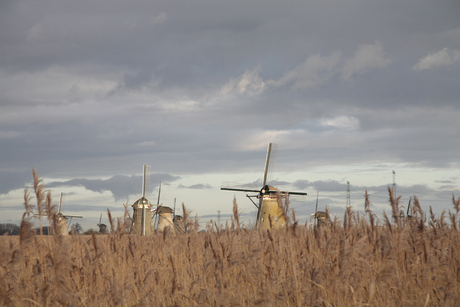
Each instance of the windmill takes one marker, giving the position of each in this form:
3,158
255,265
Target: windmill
178,220
102,227
142,215
62,227
270,214
319,216
165,217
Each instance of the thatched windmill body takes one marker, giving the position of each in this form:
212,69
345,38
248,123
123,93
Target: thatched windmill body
270,208
142,216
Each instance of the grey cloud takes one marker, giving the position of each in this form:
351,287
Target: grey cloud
119,185
443,57
365,58
196,186
444,181
12,180
330,185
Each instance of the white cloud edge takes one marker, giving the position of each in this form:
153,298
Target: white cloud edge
443,57
315,71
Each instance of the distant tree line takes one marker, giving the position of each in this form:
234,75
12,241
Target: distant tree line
9,229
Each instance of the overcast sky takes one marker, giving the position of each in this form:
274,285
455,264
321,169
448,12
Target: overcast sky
349,90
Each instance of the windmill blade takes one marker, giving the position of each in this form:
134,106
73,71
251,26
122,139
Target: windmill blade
174,210
230,186
250,198
239,190
408,206
100,219
296,196
317,196
267,162
270,163
60,203
157,220
146,181
72,216
293,193
159,193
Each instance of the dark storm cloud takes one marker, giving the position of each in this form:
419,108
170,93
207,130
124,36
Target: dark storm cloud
12,180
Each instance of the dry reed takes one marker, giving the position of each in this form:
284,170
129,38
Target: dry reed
356,262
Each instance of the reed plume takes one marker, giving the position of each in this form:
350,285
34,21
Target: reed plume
360,262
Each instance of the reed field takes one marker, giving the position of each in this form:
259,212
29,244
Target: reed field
353,261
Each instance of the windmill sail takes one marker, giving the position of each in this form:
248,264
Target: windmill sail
102,227
62,218
269,212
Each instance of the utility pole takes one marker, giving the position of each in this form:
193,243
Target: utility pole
218,218
394,184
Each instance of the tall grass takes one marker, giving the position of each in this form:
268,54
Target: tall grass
354,262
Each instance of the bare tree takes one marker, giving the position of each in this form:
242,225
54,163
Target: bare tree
9,229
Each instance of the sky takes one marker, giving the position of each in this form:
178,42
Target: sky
350,91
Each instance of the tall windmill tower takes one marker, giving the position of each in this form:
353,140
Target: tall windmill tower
270,214
142,216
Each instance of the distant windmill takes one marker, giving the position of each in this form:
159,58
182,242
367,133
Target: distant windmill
102,227
269,212
319,216
142,215
62,227
165,217
179,223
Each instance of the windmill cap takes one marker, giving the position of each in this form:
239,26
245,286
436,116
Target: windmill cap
140,202
165,210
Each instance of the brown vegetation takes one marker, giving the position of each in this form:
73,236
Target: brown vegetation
354,262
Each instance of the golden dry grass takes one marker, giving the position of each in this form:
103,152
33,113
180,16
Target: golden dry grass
354,262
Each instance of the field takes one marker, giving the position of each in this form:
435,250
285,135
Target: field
350,262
